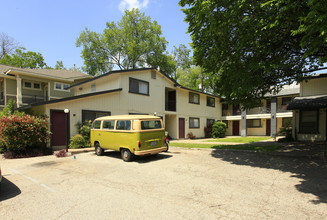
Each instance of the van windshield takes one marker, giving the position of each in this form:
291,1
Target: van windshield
146,125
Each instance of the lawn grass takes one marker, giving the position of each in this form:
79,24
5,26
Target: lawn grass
240,139
249,147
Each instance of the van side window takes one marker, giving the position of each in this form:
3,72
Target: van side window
145,125
123,125
108,125
96,125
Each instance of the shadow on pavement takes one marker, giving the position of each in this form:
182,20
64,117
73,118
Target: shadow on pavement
139,159
8,190
311,172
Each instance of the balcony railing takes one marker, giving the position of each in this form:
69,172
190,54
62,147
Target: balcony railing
30,99
227,112
282,108
258,110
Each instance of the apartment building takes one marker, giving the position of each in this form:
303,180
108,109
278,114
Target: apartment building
142,91
310,109
28,86
264,120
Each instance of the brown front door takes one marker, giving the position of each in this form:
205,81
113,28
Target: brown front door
58,128
268,127
236,128
181,128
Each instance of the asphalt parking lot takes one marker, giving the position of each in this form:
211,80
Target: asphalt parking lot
180,184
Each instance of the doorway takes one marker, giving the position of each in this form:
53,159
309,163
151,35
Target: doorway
268,127
181,127
236,128
59,127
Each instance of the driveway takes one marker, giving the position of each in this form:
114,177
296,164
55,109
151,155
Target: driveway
180,184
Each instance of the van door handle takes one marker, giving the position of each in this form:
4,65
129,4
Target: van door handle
99,134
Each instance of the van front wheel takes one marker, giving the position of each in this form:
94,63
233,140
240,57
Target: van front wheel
98,150
126,155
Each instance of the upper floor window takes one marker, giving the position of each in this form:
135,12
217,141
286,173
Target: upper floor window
138,86
194,98
32,85
61,86
93,88
210,101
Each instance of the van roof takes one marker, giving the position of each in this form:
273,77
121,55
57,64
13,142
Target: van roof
127,117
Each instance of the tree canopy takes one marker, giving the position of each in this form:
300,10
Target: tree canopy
255,47
22,59
133,42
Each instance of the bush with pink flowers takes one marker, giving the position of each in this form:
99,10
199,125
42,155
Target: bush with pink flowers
24,135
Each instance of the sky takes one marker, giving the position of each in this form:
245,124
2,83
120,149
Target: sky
51,27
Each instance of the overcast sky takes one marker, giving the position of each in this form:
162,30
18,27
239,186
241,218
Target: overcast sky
52,27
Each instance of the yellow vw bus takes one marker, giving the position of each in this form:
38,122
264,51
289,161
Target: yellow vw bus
130,134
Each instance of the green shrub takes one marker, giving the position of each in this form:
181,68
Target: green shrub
78,141
84,129
21,134
219,129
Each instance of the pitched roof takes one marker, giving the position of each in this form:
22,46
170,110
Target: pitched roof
63,74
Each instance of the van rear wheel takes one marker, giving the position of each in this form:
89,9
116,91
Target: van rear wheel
126,155
98,150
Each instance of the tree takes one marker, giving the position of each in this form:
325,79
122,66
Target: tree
60,66
7,45
256,47
182,59
131,43
29,59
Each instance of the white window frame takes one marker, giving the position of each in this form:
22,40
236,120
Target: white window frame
62,86
32,85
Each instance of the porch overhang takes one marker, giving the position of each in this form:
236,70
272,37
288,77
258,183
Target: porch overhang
308,102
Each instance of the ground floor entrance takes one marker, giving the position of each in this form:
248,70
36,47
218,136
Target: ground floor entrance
59,126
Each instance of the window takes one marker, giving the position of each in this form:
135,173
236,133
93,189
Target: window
194,123
153,75
32,85
309,122
138,86
145,125
194,98
253,123
58,86
61,86
88,115
93,89
123,125
37,86
28,85
108,124
210,101
286,100
96,125
210,121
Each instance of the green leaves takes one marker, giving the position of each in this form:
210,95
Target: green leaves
131,43
255,47
29,59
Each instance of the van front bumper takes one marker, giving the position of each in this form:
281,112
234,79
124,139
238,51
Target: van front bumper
150,152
